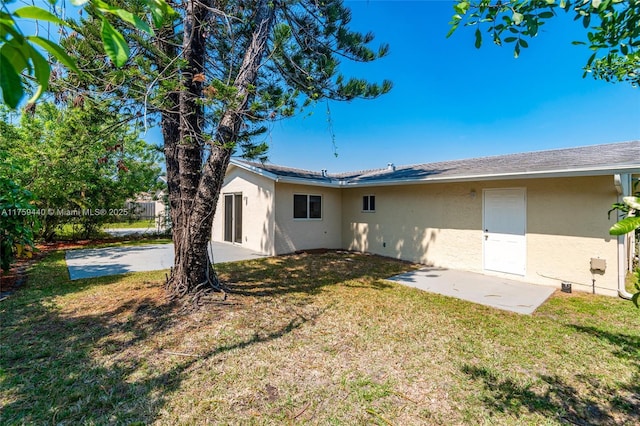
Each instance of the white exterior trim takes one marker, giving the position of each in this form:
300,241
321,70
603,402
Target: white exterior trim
343,183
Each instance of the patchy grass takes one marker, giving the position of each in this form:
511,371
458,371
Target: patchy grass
631,281
129,240
309,339
148,224
70,232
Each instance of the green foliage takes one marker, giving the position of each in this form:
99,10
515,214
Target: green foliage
612,27
114,44
18,54
301,66
626,225
630,207
308,44
16,226
630,223
636,297
78,159
20,60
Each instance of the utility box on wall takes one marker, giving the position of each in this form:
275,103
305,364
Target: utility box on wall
598,264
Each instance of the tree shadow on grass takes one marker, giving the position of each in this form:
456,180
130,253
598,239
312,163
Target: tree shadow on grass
51,376
627,348
557,400
554,397
97,368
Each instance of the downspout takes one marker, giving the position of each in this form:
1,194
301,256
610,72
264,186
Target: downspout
623,185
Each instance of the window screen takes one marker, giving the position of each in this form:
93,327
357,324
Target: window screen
369,203
299,206
307,206
315,207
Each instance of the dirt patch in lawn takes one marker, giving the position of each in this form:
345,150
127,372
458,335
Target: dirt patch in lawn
16,276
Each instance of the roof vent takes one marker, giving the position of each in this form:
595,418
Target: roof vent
324,172
391,166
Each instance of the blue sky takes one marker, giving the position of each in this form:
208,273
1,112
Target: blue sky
451,100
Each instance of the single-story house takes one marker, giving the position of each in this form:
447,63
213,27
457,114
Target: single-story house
540,217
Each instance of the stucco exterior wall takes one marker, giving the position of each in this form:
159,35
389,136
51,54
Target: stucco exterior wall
258,221
567,225
300,234
438,225
441,225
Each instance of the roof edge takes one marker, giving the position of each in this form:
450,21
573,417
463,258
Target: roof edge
601,171
336,182
254,169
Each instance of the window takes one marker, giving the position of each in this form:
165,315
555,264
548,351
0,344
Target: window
315,207
369,203
307,206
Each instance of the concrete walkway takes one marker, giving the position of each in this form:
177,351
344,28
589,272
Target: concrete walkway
123,232
89,263
500,293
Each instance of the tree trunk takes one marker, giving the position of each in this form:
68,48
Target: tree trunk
192,271
194,188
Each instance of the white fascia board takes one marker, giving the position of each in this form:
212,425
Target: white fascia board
254,169
334,183
500,176
339,183
285,179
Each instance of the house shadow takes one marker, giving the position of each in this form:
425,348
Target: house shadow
287,274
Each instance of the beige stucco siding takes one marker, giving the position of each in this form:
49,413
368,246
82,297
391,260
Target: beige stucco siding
300,234
567,225
431,224
258,221
441,225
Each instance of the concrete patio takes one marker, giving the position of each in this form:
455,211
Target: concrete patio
90,263
497,292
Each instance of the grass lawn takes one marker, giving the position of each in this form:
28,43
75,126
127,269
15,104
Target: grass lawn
73,232
147,224
309,339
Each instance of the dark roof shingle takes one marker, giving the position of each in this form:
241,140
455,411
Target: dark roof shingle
622,155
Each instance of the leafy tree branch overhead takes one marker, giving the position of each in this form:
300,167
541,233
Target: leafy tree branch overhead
22,63
612,30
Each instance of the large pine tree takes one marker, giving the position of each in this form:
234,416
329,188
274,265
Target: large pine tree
210,78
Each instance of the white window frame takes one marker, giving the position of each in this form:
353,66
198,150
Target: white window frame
369,209
308,196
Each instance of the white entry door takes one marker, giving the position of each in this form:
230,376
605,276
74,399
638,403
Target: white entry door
504,230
